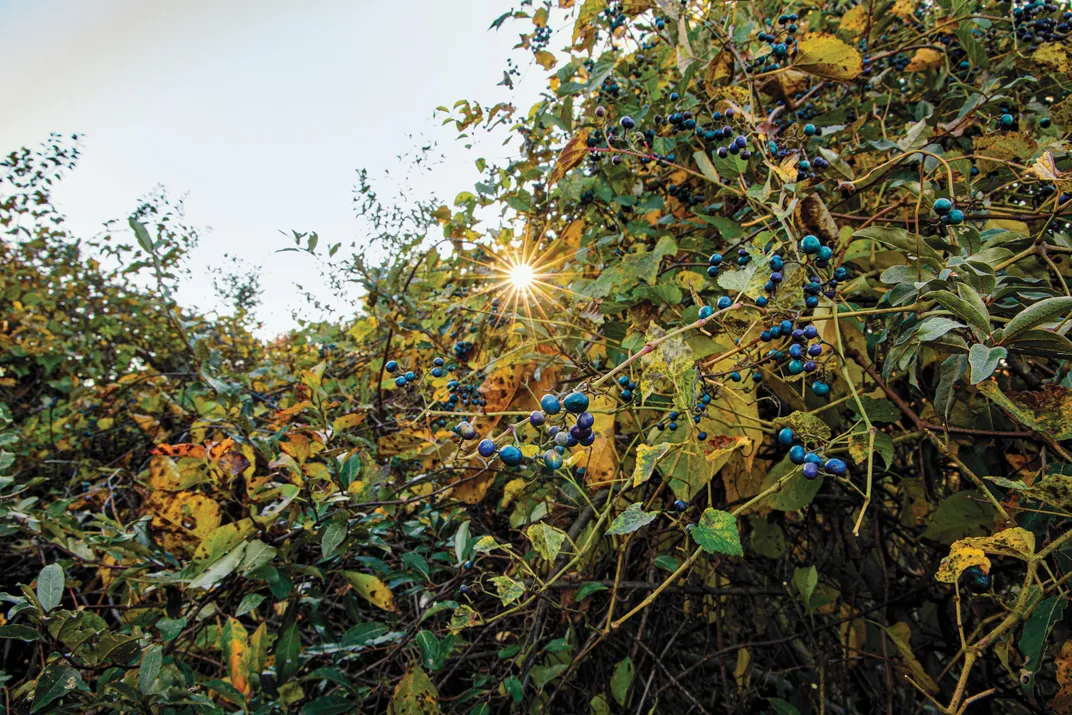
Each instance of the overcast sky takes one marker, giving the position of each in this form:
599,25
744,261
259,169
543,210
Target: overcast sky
260,111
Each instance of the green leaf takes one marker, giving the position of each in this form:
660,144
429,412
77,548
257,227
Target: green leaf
1033,638
984,361
959,515
781,707
878,409
428,644
935,327
461,541
363,634
333,535
796,492
19,633
142,234
588,589
150,668
50,586
804,581
622,679
631,519
334,704
55,682
903,241
249,603
287,652
170,628
703,162
952,369
221,568
1042,343
544,674
1041,312
716,533
667,563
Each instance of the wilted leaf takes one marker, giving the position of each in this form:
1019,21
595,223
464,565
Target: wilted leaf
372,590
415,694
925,58
826,56
961,556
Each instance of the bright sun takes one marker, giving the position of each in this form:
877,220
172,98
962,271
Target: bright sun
521,276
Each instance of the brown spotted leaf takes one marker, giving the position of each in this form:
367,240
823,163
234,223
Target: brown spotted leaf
571,156
826,56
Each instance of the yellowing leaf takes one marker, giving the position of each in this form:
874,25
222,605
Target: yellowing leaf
571,156
647,456
1006,146
961,556
149,426
236,654
1054,56
347,421
924,59
904,8
587,13
855,21
508,589
415,694
901,634
1046,169
824,55
547,540
545,59
372,590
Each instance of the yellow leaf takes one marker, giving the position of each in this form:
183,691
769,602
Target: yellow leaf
1062,112
545,59
150,427
571,156
742,672
372,590
924,59
364,327
223,539
1054,56
904,8
961,557
1006,146
415,694
166,476
855,21
540,18
511,490
635,7
824,55
347,421
185,518
1016,542
587,13
1045,169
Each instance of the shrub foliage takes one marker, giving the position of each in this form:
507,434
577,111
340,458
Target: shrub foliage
743,386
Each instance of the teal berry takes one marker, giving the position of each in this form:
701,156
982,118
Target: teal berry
956,216
820,388
552,459
762,301
724,302
735,376
978,581
813,458
796,367
510,455
757,377
810,130
391,366
1007,120
796,454
712,271
805,164
786,436
942,206
400,381
825,253
575,402
550,404
1044,122
810,244
706,312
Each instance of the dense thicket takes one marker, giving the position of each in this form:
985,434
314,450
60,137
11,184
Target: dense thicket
743,387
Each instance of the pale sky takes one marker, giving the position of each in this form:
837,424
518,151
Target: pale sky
260,111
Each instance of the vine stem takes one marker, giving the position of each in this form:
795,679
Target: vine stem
694,557
650,347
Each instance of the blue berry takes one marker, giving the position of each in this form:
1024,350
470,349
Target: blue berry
715,259
486,448
510,455
400,381
796,454
956,216
735,376
552,459
680,505
811,470
810,244
942,206
815,350
585,420
438,362
762,301
724,302
706,312
537,418
465,430
786,436
623,380
811,332
575,402
701,436
820,388
437,372
550,404
391,366
712,271
836,466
